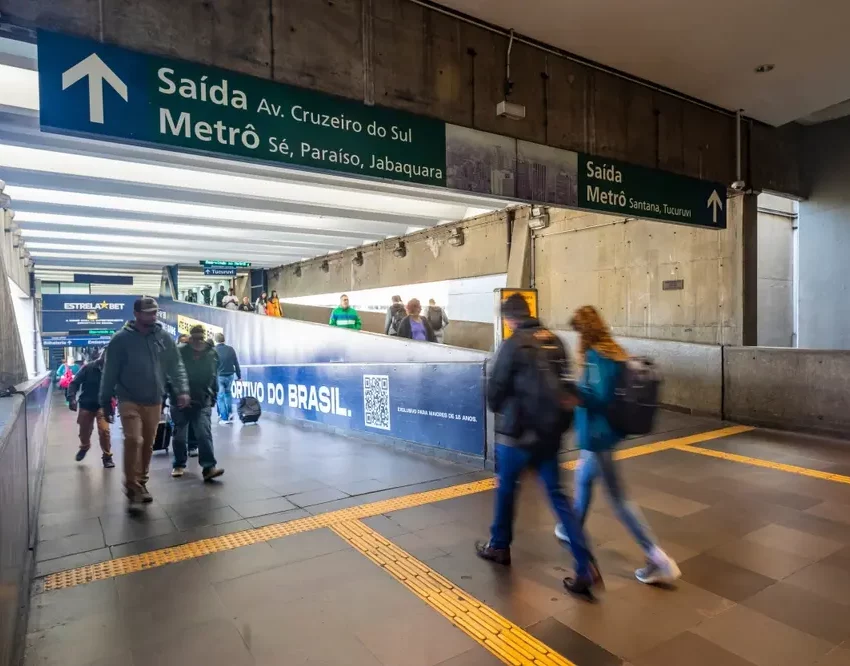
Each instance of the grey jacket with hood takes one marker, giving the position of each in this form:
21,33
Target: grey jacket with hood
140,365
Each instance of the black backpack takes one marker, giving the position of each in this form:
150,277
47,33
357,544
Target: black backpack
544,396
249,409
435,317
397,315
632,412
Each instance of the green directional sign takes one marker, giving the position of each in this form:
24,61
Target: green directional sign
88,87
212,263
615,187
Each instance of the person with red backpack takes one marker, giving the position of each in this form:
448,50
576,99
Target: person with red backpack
530,393
603,364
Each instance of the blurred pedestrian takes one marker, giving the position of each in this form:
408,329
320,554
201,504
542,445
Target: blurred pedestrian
438,319
228,372
395,314
86,383
414,326
345,316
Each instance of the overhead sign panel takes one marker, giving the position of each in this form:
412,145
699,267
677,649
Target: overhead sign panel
62,313
96,89
615,187
225,264
91,88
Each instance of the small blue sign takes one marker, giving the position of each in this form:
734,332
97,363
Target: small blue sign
219,272
76,340
436,404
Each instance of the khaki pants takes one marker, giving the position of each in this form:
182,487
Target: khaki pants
86,420
139,423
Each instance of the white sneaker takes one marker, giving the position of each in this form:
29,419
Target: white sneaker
561,533
659,569
177,472
223,422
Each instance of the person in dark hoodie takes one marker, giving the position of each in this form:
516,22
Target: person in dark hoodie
141,359
87,383
530,393
201,362
395,315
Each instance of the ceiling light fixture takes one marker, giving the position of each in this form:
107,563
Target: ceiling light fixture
326,267
298,271
764,69
400,250
357,259
456,237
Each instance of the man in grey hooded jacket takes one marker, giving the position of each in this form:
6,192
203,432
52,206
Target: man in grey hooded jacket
141,361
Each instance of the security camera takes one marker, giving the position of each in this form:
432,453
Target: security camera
738,185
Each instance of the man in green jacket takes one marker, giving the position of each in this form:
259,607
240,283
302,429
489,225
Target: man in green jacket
141,360
201,361
345,316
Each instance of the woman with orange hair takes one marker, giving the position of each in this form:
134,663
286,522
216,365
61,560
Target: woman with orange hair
602,360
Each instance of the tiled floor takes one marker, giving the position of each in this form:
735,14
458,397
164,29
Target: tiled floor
765,557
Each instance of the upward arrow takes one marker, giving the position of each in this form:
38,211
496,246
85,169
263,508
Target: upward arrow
97,72
714,202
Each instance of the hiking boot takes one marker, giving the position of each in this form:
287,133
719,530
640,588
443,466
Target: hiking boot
655,573
498,555
81,453
144,495
211,473
107,461
581,587
193,453
177,472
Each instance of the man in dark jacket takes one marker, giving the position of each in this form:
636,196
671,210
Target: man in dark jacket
141,359
87,384
395,314
530,374
201,362
228,371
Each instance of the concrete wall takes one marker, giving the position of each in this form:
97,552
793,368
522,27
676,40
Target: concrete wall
824,239
776,221
620,266
429,258
468,334
13,367
400,54
788,388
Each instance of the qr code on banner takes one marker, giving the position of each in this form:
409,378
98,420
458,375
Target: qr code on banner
376,401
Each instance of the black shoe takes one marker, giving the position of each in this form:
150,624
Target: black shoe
144,495
498,555
81,453
580,587
107,462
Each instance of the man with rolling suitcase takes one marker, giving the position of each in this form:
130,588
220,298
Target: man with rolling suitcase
201,362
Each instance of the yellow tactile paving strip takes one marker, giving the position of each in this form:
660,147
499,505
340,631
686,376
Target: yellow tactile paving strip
157,558
768,464
499,635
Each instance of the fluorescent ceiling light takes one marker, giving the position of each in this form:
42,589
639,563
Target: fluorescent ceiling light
129,252
196,211
19,86
51,161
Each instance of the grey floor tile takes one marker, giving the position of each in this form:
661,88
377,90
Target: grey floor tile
307,545
421,638
688,648
71,644
146,545
238,562
360,487
762,640
420,517
49,609
295,486
319,496
215,642
794,541
477,656
48,567
418,546
126,529
385,526
282,517
762,559
827,581
70,529
187,521
723,578
571,644
262,507
839,656
64,546
210,531
804,610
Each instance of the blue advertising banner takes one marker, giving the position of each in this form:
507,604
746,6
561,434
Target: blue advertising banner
62,313
436,404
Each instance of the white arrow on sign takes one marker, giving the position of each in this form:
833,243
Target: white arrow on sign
97,72
714,202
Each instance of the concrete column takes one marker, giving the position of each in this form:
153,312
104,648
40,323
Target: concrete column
749,270
13,368
519,260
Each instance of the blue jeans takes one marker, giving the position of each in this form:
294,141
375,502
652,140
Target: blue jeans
596,463
225,399
511,461
199,419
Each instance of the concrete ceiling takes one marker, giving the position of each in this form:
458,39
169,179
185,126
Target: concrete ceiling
705,50
92,206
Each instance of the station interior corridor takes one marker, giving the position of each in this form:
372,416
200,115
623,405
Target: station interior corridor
320,549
